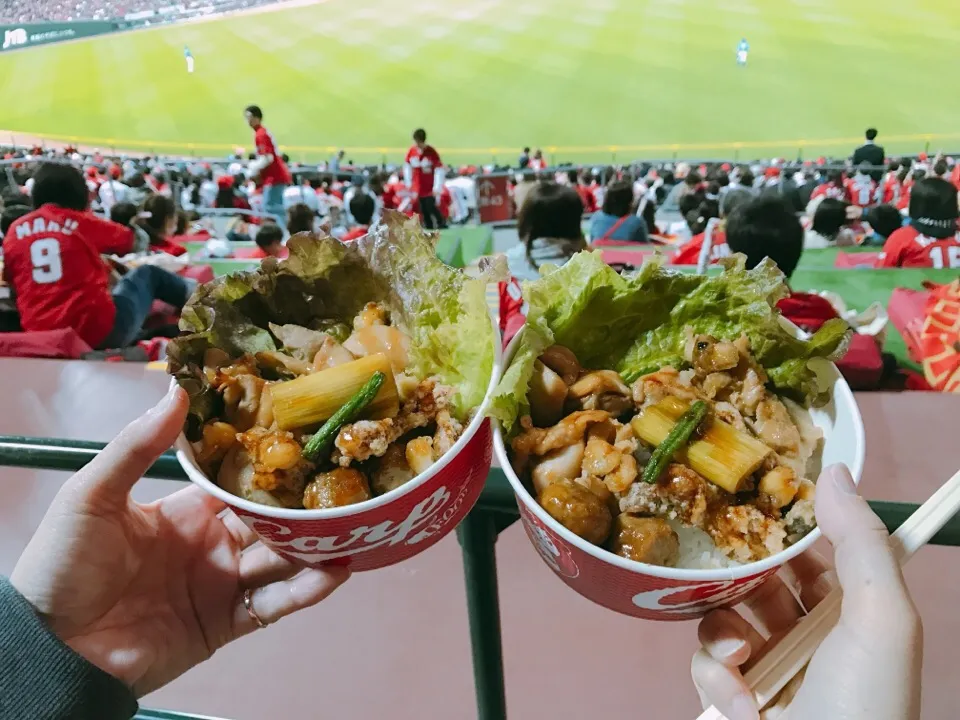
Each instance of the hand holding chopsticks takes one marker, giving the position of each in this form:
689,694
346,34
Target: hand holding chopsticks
865,650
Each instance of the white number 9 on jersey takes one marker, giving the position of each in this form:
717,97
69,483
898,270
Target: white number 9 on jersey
45,256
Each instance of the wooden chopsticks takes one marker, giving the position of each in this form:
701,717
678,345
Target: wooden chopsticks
791,654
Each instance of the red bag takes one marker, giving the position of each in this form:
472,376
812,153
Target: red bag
512,311
940,338
862,366
906,310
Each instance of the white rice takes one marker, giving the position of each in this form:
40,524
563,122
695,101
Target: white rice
697,551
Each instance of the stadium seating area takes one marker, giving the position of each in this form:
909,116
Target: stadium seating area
36,11
846,215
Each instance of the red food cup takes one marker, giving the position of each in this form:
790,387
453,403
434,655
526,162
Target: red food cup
386,529
663,593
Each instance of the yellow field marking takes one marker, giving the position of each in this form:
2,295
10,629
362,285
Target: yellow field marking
674,148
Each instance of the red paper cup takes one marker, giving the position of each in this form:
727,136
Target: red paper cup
662,593
384,530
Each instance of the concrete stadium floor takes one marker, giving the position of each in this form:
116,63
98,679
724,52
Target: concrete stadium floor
394,643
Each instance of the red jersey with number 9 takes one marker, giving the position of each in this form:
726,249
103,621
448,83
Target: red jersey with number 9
906,247
51,258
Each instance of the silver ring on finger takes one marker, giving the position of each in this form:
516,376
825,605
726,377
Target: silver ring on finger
248,606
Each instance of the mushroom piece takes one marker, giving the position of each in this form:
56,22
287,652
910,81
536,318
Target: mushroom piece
241,398
562,464
563,362
392,470
280,362
781,485
547,394
602,390
578,510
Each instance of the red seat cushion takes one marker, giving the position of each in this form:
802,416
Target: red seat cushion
200,273
60,344
862,366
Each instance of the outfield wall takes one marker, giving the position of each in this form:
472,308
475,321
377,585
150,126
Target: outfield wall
17,37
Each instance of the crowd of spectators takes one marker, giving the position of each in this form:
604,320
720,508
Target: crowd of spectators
156,204
15,12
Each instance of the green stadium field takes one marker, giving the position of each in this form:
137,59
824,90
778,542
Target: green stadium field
585,79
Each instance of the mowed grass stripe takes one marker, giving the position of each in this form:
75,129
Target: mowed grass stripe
497,73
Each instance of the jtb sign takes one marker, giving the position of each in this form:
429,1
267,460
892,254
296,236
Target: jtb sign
16,37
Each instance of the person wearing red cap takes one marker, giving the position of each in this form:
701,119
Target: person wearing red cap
112,191
93,181
268,168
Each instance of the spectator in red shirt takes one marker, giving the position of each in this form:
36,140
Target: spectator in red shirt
52,261
587,197
862,188
424,175
890,186
689,253
835,187
269,168
362,208
159,220
768,227
269,241
931,239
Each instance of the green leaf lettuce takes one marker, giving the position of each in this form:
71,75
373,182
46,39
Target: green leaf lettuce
636,324
324,283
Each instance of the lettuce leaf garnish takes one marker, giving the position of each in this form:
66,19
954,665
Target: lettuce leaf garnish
325,282
635,324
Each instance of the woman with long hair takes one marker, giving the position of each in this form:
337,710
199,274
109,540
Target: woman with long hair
617,219
549,229
159,221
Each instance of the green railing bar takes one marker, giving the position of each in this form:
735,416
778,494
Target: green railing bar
71,455
494,512
146,714
478,539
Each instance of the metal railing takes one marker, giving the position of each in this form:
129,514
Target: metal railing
495,511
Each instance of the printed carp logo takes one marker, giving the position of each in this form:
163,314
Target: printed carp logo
558,558
697,599
12,38
426,519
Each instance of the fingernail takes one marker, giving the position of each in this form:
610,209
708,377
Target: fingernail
743,708
166,401
725,648
841,478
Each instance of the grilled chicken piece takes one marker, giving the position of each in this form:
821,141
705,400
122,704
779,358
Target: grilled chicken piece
339,487
645,539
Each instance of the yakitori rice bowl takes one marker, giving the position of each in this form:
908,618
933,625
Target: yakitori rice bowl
337,397
663,431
